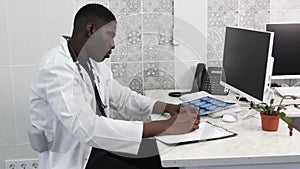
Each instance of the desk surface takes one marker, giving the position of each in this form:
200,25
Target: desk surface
251,146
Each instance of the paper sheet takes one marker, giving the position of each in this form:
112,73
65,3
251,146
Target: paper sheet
206,131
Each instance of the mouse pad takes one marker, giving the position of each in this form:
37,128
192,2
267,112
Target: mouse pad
207,104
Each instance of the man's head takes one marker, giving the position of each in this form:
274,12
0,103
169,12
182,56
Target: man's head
95,28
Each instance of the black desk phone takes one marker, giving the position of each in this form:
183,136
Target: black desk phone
205,80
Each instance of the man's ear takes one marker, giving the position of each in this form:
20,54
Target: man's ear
90,28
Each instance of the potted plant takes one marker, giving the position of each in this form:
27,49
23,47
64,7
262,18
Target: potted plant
270,114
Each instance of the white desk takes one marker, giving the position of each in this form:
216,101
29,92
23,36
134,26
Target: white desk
252,148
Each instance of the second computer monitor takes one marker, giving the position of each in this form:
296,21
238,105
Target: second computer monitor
247,62
286,50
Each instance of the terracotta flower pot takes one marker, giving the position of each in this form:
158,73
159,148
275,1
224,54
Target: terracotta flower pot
269,123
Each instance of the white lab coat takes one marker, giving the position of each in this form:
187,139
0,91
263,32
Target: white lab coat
63,105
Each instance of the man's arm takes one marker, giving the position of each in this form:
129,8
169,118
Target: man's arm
162,107
185,121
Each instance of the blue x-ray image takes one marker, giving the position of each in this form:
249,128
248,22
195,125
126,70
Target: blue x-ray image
208,104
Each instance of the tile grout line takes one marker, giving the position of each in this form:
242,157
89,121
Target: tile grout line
10,76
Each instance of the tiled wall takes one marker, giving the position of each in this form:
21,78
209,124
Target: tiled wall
240,13
144,55
253,14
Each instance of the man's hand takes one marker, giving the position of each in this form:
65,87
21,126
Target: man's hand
186,121
183,119
172,109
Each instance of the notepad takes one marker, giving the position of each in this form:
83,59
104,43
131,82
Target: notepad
206,132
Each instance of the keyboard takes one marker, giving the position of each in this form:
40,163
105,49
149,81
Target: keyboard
282,91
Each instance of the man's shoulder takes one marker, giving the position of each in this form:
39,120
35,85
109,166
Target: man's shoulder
55,56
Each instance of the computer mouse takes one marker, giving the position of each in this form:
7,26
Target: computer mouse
229,118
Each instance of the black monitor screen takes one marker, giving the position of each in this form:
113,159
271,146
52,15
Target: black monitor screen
245,60
286,49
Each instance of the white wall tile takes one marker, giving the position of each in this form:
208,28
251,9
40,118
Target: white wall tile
7,125
8,152
21,78
190,32
57,20
25,152
4,55
24,31
184,73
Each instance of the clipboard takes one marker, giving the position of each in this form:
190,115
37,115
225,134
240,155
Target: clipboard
206,132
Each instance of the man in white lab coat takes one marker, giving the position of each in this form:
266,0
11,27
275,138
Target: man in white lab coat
73,93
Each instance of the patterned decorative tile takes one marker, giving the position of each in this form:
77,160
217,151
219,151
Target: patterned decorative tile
230,18
262,4
136,84
156,69
133,6
231,4
151,69
215,5
151,53
214,63
150,39
215,43
150,22
134,53
119,54
261,17
119,70
248,4
126,69
134,69
247,19
165,36
151,83
121,37
117,6
102,2
215,18
135,29
255,4
158,53
254,19
165,21
80,3
134,21
134,37
165,5
150,5
121,20
166,53
167,68
165,82
123,81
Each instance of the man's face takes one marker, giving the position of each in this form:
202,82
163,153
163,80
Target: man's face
101,43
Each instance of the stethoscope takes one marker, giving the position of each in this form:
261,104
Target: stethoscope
91,68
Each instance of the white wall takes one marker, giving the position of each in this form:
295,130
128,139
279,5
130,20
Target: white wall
190,38
27,29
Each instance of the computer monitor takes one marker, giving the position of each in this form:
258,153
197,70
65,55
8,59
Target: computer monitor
286,50
247,63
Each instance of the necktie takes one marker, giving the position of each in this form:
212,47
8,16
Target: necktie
84,63
100,106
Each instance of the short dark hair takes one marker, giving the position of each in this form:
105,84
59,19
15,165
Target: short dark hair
92,11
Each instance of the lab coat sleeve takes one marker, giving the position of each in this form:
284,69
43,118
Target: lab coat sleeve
62,86
129,104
